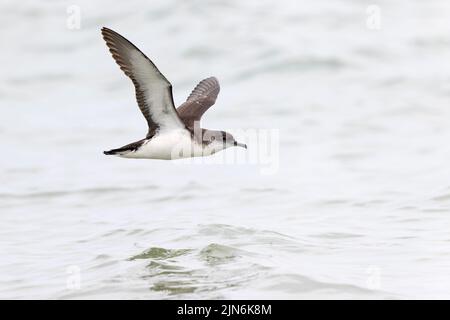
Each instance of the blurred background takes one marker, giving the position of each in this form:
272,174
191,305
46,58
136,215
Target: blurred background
359,203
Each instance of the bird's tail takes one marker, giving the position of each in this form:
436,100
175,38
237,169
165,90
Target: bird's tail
125,149
111,152
118,151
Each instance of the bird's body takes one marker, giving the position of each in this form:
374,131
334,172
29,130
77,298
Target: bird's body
172,133
175,144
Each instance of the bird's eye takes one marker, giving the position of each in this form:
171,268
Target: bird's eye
213,138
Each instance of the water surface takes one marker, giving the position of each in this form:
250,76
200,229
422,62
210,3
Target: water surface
357,208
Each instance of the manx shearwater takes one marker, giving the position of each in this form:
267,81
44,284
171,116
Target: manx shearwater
172,133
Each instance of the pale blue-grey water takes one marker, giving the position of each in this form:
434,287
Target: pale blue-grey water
356,203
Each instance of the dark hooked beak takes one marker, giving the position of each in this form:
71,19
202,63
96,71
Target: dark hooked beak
243,145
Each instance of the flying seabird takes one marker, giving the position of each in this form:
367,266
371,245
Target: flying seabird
172,133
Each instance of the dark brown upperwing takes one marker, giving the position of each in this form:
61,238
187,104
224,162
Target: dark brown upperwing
201,99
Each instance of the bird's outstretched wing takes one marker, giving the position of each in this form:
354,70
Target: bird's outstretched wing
201,99
153,91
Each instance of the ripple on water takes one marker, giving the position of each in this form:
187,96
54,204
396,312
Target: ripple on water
221,258
442,198
87,191
216,253
159,253
290,65
337,235
205,269
307,287
160,268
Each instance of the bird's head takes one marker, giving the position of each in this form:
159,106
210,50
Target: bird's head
220,140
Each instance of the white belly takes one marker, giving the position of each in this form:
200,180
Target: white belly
175,144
